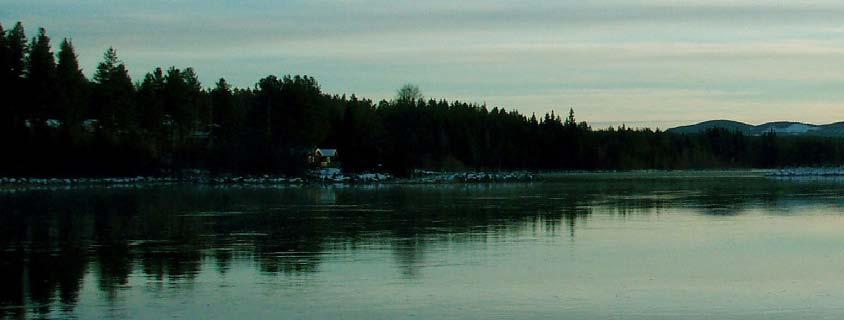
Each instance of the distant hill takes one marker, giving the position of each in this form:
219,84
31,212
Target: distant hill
726,124
780,127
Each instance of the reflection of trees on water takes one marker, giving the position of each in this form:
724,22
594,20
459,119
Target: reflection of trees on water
43,257
50,241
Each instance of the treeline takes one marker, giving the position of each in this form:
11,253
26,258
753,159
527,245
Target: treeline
56,122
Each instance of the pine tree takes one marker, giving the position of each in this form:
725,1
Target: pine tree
177,101
41,78
114,94
196,109
151,101
191,80
4,57
106,68
13,69
17,51
5,113
124,98
223,105
72,86
570,121
227,125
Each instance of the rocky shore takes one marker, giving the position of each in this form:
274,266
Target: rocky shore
330,175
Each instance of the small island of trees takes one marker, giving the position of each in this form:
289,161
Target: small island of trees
57,122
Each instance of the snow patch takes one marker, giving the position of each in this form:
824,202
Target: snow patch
809,172
792,128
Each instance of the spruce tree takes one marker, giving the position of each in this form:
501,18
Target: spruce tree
5,104
222,105
72,86
41,78
114,94
124,98
197,111
4,57
177,101
16,50
226,124
106,68
151,101
570,121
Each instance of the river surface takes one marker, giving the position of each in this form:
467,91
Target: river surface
634,246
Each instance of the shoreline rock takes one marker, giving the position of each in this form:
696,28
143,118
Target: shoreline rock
329,175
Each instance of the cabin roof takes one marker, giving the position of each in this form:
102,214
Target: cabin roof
327,152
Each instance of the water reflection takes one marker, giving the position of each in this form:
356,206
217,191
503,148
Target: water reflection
50,241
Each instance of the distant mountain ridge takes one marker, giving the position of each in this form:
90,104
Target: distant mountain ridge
780,127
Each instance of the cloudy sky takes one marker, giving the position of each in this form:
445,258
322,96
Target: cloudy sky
646,62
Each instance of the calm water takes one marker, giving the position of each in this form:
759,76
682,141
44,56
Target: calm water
603,247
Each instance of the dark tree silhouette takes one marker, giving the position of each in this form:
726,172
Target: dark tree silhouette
41,79
409,93
72,89
17,49
114,95
5,82
57,123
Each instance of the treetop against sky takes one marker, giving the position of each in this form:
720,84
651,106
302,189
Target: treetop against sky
645,61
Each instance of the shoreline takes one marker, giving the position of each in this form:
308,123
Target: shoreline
335,176
321,177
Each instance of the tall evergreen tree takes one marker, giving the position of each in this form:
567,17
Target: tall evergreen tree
107,67
227,125
570,121
41,77
151,101
222,103
114,94
5,113
72,86
4,57
197,110
17,50
177,102
303,118
7,118
359,138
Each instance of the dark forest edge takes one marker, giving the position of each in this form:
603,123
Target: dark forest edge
58,123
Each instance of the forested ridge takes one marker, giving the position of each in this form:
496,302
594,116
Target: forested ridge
57,122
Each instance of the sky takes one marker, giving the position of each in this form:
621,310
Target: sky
655,63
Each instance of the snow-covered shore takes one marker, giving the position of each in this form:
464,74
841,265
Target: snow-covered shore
808,172
193,179
336,176
145,180
421,176
329,175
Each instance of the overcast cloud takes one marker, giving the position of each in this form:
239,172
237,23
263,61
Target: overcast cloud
641,62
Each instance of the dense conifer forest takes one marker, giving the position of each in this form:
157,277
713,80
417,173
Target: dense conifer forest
57,122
